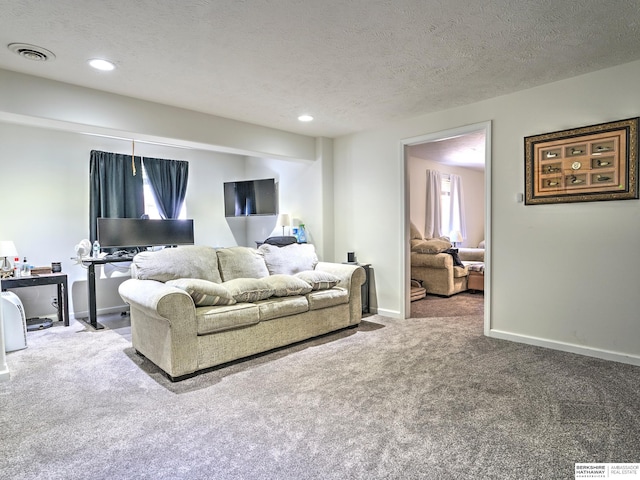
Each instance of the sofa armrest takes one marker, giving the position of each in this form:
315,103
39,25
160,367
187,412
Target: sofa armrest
163,324
156,299
352,277
432,260
471,254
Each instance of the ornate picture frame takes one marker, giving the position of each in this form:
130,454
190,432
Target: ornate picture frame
587,164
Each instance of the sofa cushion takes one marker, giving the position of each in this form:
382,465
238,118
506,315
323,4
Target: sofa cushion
225,317
248,289
327,298
459,272
188,261
287,285
204,292
434,245
318,279
241,262
289,259
276,307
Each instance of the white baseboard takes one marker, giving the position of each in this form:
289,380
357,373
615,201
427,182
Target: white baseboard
386,313
102,311
566,347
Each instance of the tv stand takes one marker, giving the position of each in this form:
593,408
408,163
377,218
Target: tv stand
91,263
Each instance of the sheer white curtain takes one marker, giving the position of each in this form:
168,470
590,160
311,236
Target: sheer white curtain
433,220
456,207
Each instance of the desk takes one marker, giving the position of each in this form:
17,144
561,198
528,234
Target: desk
91,263
59,279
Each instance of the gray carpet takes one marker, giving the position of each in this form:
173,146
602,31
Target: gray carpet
459,305
394,399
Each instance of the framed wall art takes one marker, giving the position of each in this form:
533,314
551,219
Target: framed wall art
586,164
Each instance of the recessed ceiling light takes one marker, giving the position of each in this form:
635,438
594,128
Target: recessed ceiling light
305,118
100,64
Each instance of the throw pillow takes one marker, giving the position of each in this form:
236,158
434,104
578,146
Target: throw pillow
203,292
318,280
456,258
435,245
249,290
290,259
415,233
287,285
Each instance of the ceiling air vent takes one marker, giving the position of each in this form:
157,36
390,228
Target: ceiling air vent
31,52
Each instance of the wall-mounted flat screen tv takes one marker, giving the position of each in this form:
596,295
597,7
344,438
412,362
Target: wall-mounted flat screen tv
250,197
144,232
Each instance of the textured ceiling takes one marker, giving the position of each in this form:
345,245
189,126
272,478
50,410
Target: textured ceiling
352,64
467,151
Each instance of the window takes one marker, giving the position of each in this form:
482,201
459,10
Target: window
150,205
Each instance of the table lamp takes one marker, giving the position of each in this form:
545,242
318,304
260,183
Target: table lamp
7,249
283,221
456,237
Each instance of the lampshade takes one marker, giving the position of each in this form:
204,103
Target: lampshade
455,236
8,249
283,220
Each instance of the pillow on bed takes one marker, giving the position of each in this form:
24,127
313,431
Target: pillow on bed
203,292
435,245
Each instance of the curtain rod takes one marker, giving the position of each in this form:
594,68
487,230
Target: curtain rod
148,142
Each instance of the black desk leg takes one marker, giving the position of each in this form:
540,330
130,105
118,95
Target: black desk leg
93,314
63,303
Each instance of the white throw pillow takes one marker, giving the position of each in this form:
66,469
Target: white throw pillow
290,259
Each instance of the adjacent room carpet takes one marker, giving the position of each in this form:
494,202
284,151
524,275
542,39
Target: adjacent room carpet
461,304
424,398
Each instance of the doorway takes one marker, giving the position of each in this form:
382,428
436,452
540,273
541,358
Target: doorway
465,150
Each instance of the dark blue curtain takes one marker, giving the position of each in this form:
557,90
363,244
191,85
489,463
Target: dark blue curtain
168,180
115,189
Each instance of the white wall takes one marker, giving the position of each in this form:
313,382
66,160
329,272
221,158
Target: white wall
300,195
473,185
45,205
45,160
557,278
42,102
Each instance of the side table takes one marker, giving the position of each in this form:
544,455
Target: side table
364,293
59,279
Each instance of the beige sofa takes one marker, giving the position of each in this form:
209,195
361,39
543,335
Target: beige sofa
435,269
438,274
195,307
